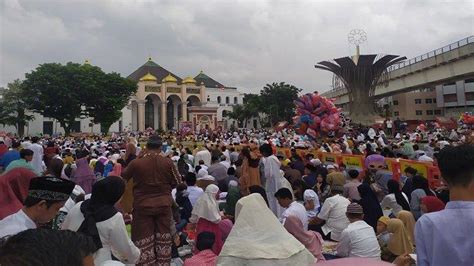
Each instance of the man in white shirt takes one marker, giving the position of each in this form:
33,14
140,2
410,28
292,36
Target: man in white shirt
358,239
333,213
194,191
46,195
285,199
37,149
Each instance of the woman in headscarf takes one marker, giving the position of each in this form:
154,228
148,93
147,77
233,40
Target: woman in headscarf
311,203
130,152
13,190
259,190
233,195
399,242
395,199
409,222
420,189
431,204
310,239
98,218
258,238
383,236
370,205
83,174
322,188
207,217
250,172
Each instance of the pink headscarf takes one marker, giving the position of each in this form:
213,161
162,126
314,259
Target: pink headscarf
310,239
13,190
117,170
225,226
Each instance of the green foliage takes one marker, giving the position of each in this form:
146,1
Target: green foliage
12,106
71,91
275,101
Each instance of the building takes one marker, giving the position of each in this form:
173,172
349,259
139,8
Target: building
163,101
415,105
456,97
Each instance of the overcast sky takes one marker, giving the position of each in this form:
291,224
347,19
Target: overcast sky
239,43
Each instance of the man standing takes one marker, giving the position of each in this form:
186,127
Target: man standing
272,174
154,176
389,126
37,149
46,196
358,239
203,155
217,169
445,237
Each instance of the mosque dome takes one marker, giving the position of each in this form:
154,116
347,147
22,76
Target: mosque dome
148,77
170,78
189,80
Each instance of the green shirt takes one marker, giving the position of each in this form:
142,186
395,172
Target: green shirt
21,163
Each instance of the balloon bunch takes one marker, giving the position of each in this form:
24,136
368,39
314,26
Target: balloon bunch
316,115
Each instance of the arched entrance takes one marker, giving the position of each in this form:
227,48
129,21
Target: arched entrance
173,111
152,111
192,101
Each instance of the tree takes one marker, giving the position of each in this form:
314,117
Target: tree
13,108
238,113
114,94
71,91
277,101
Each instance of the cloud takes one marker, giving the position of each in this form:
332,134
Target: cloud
240,43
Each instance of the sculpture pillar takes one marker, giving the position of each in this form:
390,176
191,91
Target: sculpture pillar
163,116
141,115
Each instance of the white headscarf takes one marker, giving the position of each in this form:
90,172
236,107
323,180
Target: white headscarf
206,206
201,174
258,238
310,195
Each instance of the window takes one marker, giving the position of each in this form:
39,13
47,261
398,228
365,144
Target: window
429,112
434,100
419,112
437,112
428,100
396,113
417,101
48,127
450,98
470,96
218,99
208,98
235,100
227,100
395,102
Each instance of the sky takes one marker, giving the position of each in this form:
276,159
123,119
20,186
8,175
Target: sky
243,44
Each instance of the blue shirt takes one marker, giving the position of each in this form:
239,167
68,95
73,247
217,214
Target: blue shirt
446,237
9,157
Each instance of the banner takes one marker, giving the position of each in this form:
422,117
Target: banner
422,168
328,158
353,161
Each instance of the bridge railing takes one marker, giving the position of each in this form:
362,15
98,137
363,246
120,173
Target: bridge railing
442,50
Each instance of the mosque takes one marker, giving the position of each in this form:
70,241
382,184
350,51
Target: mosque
163,100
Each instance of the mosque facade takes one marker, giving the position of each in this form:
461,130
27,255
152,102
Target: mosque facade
164,101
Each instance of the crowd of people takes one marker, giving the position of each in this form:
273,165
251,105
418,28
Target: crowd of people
231,198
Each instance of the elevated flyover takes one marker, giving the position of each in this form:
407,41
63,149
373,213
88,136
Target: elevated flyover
447,64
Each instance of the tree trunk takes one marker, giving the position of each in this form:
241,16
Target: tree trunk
20,126
104,127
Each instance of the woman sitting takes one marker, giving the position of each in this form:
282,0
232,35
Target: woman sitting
409,222
311,203
395,199
420,189
98,218
310,239
399,242
207,217
205,257
431,204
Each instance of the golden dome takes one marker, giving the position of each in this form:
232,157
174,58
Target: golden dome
148,77
189,80
170,78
